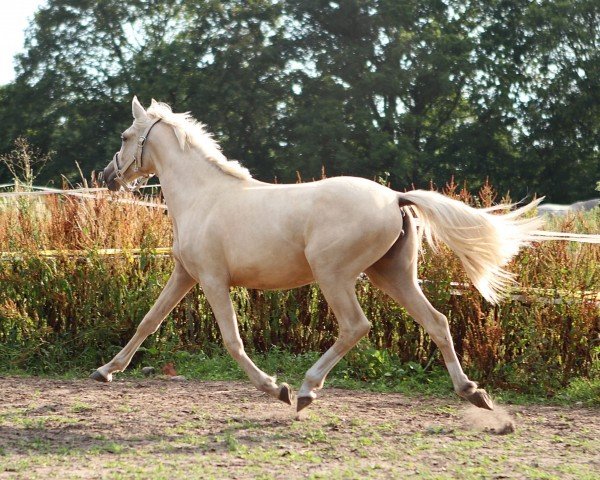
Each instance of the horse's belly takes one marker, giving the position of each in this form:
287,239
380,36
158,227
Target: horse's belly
274,272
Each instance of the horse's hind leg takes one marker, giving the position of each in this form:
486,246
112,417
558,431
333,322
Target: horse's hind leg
353,325
396,274
217,294
435,323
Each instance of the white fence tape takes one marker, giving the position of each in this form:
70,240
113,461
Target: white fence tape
91,193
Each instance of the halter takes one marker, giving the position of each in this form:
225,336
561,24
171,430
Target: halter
136,159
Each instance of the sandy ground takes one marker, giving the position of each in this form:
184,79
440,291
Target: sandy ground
158,428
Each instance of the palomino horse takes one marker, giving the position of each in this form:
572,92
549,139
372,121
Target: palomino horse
232,230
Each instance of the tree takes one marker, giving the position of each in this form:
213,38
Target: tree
415,91
397,71
85,60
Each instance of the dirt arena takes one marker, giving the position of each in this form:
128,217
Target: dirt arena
228,430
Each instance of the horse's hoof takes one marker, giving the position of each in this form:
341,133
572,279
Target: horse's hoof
99,377
303,402
480,399
286,394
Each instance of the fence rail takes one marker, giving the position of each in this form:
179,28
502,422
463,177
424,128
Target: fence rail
159,251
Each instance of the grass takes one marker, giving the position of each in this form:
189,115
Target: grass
392,376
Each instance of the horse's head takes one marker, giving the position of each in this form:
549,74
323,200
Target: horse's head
129,165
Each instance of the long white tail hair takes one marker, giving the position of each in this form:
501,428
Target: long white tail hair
483,241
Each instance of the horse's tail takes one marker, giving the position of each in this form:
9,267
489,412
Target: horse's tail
483,241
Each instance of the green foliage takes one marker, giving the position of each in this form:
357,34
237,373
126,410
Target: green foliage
502,89
72,312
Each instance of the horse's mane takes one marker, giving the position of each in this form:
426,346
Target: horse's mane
193,133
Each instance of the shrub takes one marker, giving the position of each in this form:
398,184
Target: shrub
70,309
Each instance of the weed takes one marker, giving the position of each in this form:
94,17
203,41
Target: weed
80,407
70,313
316,436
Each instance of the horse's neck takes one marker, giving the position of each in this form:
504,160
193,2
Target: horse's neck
188,178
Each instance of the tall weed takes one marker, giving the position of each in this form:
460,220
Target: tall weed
73,311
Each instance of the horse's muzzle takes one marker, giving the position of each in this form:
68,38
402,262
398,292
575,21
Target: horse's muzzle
109,175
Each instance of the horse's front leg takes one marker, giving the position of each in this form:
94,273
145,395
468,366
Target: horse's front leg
178,285
218,297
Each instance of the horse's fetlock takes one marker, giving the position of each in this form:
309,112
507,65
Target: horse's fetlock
269,386
311,378
466,390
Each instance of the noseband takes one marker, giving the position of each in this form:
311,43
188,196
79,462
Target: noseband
136,159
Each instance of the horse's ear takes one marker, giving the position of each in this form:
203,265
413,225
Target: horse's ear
137,110
154,102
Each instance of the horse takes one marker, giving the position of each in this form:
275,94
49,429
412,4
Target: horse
230,229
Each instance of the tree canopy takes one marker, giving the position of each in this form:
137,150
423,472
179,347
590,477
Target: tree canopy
411,91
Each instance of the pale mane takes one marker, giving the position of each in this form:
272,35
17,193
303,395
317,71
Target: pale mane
193,133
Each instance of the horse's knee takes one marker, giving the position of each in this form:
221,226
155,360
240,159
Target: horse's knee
363,327
147,327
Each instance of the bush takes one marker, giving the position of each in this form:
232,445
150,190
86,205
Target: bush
75,310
